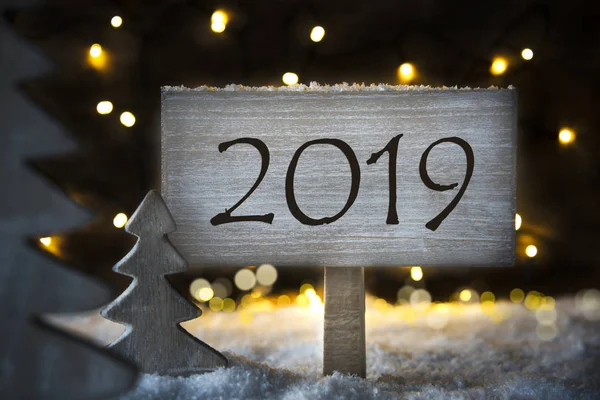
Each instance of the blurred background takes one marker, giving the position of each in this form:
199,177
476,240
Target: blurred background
112,57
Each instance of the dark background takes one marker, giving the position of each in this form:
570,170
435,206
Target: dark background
449,43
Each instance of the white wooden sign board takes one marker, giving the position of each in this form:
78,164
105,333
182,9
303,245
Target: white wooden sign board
320,164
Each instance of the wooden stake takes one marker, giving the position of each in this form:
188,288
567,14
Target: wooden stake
344,336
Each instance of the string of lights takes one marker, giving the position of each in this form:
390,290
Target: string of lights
224,30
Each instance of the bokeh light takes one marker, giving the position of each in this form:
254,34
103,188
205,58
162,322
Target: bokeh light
465,295
127,119
245,279
499,66
518,222
517,295
416,273
218,21
95,50
317,34
116,21
406,72
216,304
104,107
266,275
531,251
566,136
527,54
228,305
196,285
205,294
290,78
120,220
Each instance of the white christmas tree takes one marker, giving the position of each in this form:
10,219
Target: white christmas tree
150,308
38,361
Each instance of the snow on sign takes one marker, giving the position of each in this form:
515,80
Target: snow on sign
340,176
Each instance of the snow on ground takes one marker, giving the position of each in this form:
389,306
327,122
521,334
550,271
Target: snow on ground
448,352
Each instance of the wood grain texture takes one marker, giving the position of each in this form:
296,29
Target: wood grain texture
150,307
344,328
199,182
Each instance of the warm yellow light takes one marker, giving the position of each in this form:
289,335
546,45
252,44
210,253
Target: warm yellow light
216,304
317,34
116,21
302,300
205,294
283,300
104,107
517,295
566,136
416,273
120,220
245,279
518,222
127,119
310,293
465,295
406,72
228,305
290,78
527,54
196,285
305,287
218,26
533,300
499,66
218,21
266,274
219,16
96,50
487,296
531,251
46,241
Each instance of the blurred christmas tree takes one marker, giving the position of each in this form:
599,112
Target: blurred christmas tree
38,361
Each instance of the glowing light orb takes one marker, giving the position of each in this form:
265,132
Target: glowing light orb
116,21
416,273
266,275
531,251
465,295
517,295
245,279
317,34
95,50
566,136
499,66
127,119
104,107
406,72
527,54
205,294
218,21
120,220
518,222
290,78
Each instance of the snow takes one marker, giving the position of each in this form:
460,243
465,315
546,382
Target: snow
275,353
316,87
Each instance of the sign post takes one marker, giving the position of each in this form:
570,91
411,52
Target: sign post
372,176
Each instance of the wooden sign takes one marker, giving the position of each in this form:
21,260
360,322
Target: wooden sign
341,178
